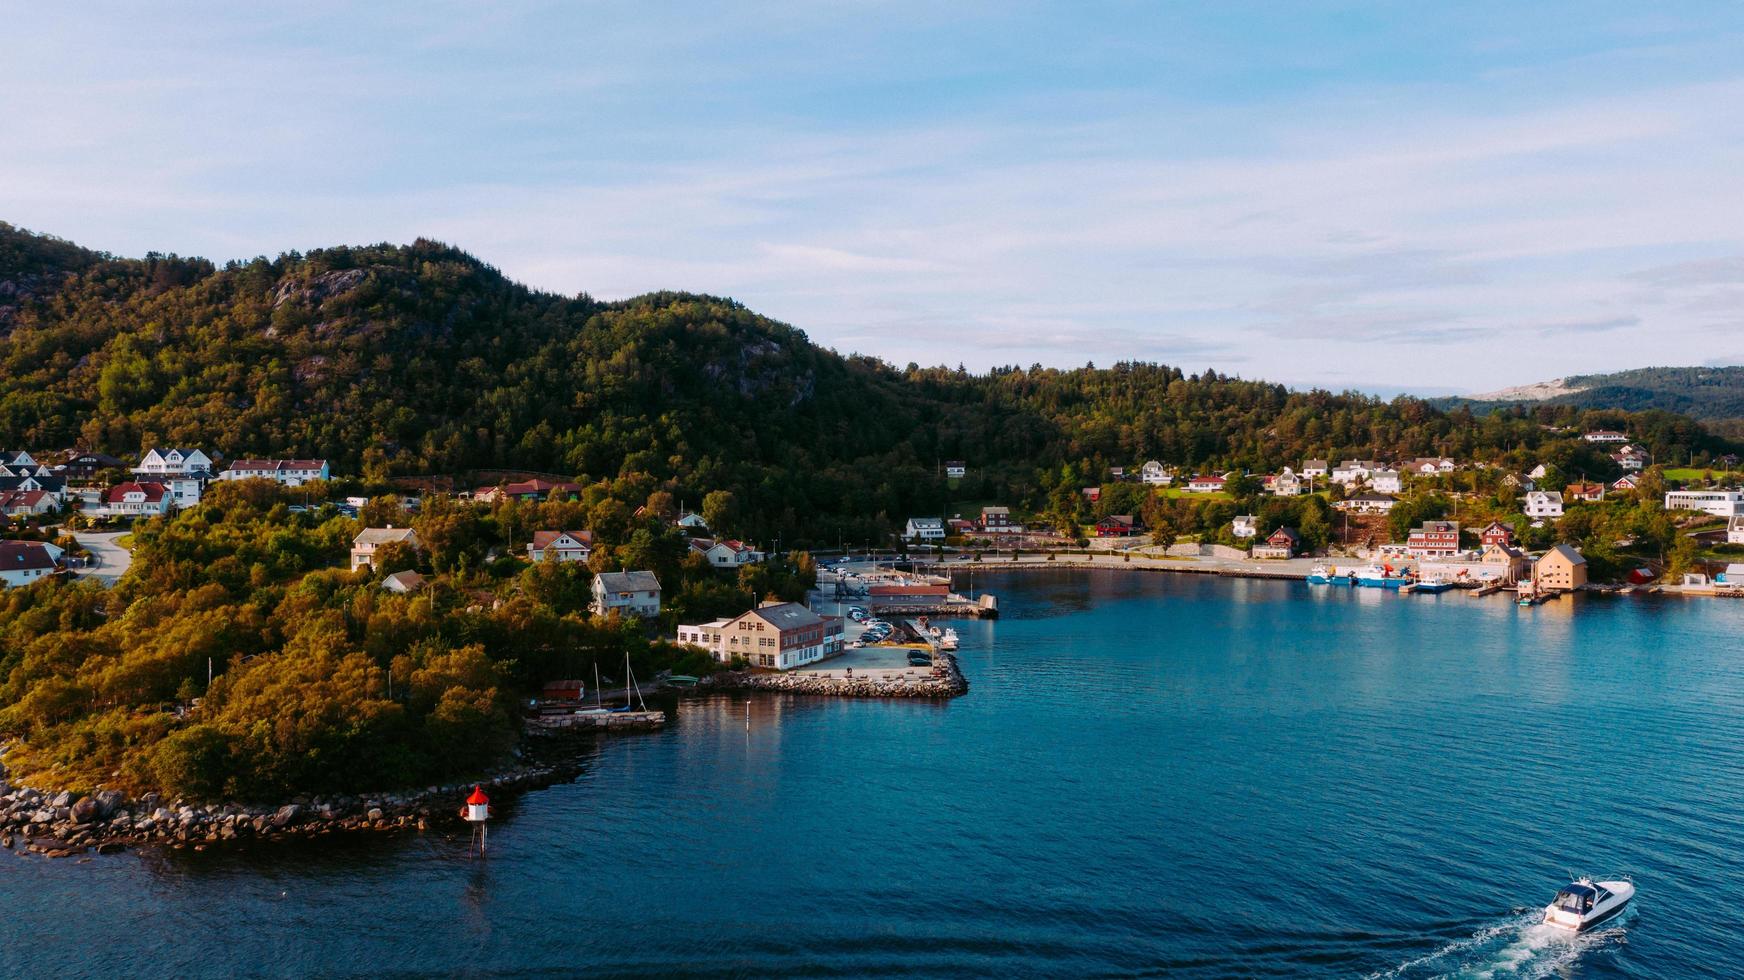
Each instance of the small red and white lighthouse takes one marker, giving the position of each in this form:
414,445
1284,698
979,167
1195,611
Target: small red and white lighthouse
476,812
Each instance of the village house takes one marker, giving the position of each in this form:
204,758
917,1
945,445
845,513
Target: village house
1538,472
960,527
1433,539
1518,482
560,546
997,520
1282,543
1543,503
1605,435
1631,458
174,462
132,499
626,593
23,479
1628,481
1367,503
1245,526
1494,562
534,490
1314,469
84,466
1584,492
1155,474
691,522
17,459
775,635
725,553
24,562
1206,483
1092,494
1353,471
285,472
1561,569
1496,532
925,529
1720,503
955,469
403,583
1430,466
1118,526
1385,480
1117,474
1287,484
1735,530
368,540
26,503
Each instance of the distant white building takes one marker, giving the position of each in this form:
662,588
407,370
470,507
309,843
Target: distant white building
144,498
955,469
24,562
627,593
363,547
1155,474
1314,469
777,635
1605,435
1735,530
1720,503
1245,526
1543,503
725,553
1385,480
287,472
925,529
560,546
174,462
1353,471
1287,484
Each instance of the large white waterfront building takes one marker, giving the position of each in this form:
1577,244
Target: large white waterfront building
1720,503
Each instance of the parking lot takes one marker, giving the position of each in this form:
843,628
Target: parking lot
879,661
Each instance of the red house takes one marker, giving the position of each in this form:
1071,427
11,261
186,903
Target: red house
1118,526
1497,532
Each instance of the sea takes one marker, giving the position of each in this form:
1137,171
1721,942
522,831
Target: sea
1152,775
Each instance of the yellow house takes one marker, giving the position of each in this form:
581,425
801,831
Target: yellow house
1561,569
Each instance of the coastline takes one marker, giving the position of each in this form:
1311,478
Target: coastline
946,681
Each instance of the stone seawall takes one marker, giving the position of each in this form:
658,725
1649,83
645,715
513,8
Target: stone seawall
945,681
66,824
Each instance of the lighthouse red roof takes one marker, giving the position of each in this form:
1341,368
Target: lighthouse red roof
477,798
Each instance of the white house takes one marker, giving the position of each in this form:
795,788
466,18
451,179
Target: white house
27,479
1287,484
627,593
1735,530
726,553
363,547
955,469
26,503
1543,503
1314,469
1605,435
1205,483
10,458
925,529
1353,471
560,545
132,499
1368,503
403,583
288,472
1155,474
691,522
777,635
1720,503
1385,480
174,462
24,562
1539,472
1245,526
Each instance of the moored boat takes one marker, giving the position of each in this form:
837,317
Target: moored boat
1328,575
1586,903
1381,577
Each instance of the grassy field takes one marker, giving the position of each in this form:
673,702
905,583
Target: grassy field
1176,493
1685,474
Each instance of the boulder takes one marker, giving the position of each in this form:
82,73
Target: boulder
287,815
86,810
375,814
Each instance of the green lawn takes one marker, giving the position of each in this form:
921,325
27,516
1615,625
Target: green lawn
1176,493
125,542
1685,474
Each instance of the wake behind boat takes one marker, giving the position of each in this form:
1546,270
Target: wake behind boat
1585,903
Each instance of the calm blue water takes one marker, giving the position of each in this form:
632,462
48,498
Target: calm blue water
1152,775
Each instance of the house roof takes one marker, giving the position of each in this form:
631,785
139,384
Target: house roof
786,615
19,556
996,510
1121,520
21,498
1574,557
1286,532
924,522
383,535
543,539
407,581
152,491
277,465
628,582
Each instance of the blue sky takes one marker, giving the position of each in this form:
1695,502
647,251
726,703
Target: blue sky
1376,195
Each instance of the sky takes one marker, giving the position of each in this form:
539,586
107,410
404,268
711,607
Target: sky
1392,197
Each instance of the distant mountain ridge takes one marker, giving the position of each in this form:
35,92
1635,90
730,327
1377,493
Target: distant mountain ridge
1699,392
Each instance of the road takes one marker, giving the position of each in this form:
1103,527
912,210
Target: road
109,561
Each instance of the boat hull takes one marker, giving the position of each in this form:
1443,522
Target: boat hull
1622,893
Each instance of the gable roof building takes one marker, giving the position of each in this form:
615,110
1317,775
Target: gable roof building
368,540
24,562
630,593
288,472
775,635
560,545
174,462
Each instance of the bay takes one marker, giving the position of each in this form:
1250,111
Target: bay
1152,775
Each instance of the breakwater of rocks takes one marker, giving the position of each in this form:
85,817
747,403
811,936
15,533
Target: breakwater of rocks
945,680
66,824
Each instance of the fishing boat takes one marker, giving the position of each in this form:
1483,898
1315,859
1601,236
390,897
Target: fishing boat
1585,903
1432,588
948,641
1328,575
1381,577
680,680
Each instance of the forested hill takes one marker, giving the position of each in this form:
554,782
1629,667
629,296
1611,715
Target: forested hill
420,359
1699,392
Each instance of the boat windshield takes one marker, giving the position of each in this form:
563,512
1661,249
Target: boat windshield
1575,899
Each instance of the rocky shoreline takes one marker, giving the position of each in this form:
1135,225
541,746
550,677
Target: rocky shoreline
66,824
945,681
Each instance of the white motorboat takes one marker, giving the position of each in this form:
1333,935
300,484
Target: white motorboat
1586,903
948,641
